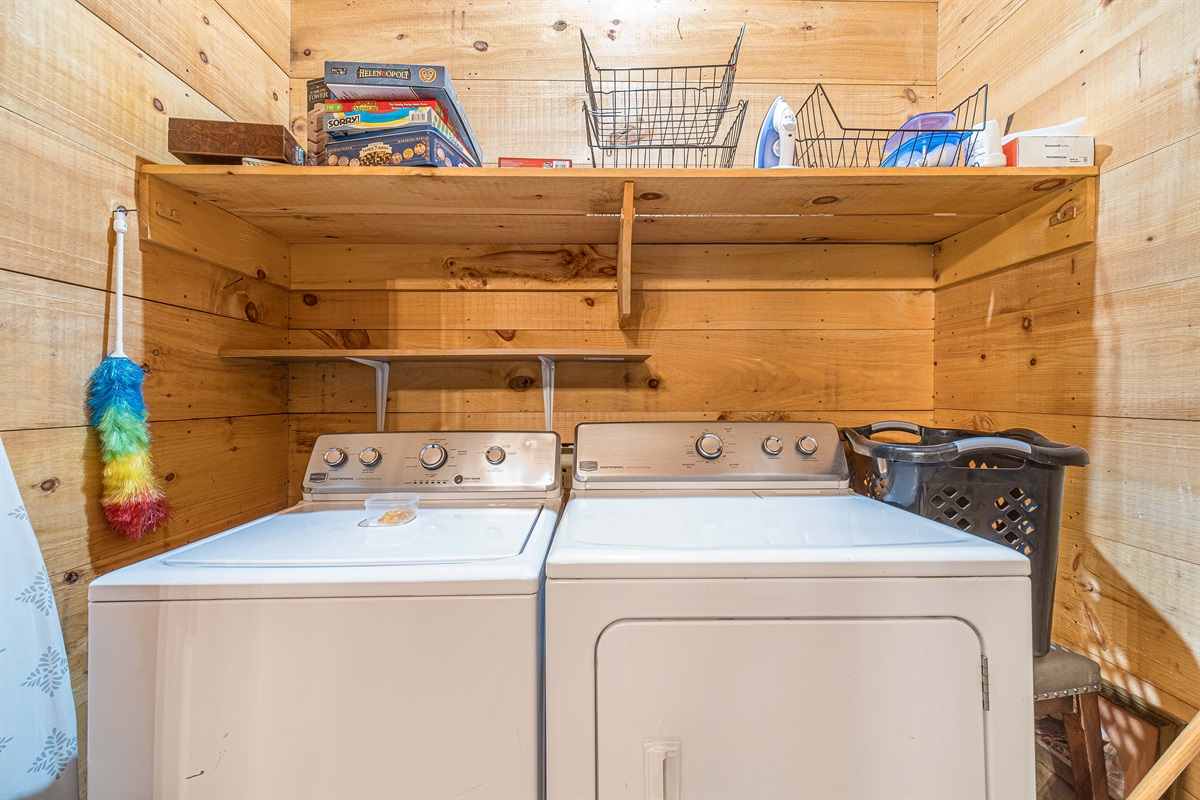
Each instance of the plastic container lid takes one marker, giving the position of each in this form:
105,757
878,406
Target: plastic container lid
391,509
929,121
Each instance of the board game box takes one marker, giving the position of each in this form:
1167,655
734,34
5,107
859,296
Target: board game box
348,80
418,146
366,117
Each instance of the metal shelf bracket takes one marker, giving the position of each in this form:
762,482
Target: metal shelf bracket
382,370
548,390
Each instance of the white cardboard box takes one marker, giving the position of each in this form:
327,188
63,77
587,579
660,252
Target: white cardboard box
1051,151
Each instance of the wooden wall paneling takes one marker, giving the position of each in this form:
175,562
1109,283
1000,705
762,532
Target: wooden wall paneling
269,23
116,106
819,40
963,24
1148,232
55,335
593,267
1128,354
775,370
205,48
178,220
653,310
180,280
1061,220
1108,48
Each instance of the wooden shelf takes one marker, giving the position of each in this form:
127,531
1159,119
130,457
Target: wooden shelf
447,355
584,206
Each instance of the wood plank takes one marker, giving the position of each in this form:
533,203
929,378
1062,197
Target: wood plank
744,310
215,472
1129,354
593,267
54,335
1061,220
179,221
206,49
963,24
180,280
817,40
1137,490
442,356
93,88
264,193
1148,232
762,371
269,23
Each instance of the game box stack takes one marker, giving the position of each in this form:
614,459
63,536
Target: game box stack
397,115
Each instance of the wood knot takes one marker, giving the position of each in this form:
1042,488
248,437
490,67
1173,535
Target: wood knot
156,352
911,95
310,300
983,356
650,196
1048,184
808,27
275,95
307,52
71,577
653,383
204,56
560,25
612,35
520,383
1027,323
50,484
206,22
169,477
481,46
507,335
158,105
1033,362
589,302
815,239
824,200
354,338
399,37
251,312
937,249
261,273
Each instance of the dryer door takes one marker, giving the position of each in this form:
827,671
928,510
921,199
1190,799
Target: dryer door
789,709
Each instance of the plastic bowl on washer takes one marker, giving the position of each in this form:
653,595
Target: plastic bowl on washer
391,509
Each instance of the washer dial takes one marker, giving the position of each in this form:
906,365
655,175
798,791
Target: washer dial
710,446
772,445
432,456
370,456
335,456
495,455
807,445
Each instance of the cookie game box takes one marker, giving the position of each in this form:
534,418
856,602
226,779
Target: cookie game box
348,80
420,146
366,117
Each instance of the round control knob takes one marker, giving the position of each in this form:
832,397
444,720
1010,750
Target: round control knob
709,446
335,456
495,455
807,445
370,456
433,456
772,445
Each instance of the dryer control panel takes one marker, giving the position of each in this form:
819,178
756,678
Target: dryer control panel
643,454
434,461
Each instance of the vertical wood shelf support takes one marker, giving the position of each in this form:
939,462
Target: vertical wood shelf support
624,248
382,371
548,390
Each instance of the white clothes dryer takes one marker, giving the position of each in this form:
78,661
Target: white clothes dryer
309,655
725,620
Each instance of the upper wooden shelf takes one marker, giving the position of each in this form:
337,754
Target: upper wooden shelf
447,354
584,205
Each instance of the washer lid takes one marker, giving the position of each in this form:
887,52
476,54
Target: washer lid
764,536
317,537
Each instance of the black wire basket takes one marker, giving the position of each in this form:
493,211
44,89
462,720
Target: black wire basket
823,141
631,112
1006,487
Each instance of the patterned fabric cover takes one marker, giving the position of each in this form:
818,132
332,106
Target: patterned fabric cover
38,740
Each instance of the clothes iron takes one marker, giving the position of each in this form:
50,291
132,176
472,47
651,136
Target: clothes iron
776,145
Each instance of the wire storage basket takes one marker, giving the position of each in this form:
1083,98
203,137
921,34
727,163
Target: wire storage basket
662,116
1006,487
935,139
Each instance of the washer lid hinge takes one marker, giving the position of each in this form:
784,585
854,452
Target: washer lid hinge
987,703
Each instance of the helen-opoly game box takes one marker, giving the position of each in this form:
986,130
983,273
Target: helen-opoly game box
366,117
418,146
349,80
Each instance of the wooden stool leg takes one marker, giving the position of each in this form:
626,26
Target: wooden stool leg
1082,722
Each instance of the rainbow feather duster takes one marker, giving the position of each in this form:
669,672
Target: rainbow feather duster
133,501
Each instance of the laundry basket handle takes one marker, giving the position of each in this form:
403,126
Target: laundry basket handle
1017,442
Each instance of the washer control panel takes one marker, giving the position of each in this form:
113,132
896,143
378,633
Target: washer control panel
630,453
433,461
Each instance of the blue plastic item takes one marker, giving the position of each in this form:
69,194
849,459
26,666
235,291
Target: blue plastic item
930,149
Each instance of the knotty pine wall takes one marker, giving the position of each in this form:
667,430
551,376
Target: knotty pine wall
812,332
85,91
1099,346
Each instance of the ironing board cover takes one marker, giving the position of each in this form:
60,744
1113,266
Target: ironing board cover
38,736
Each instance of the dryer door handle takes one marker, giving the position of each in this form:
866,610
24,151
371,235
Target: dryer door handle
662,769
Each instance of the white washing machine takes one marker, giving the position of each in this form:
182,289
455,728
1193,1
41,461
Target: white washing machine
304,655
725,620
